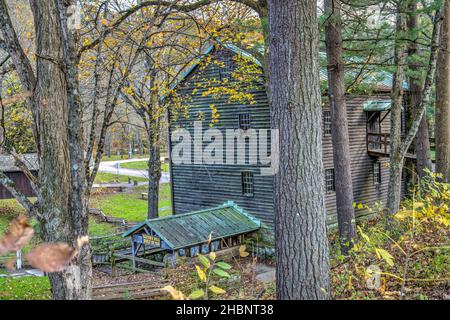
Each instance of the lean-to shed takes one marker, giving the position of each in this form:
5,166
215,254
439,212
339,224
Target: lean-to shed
195,232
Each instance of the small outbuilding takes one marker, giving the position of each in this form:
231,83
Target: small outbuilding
189,234
8,167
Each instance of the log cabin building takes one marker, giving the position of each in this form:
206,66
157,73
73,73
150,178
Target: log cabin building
198,185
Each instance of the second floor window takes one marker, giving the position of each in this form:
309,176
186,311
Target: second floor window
247,183
329,180
244,121
326,122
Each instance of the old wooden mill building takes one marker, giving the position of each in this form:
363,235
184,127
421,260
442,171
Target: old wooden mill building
197,186
202,190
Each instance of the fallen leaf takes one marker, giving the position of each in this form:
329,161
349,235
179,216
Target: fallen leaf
20,232
176,294
51,257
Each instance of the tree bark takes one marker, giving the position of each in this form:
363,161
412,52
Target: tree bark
295,100
399,148
396,159
422,140
442,122
61,175
154,170
339,125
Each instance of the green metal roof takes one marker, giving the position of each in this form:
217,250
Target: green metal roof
377,105
185,230
381,79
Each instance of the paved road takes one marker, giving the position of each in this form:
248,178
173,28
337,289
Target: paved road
114,167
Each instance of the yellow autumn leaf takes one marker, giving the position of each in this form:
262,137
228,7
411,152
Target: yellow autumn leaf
212,256
201,273
217,290
176,294
242,251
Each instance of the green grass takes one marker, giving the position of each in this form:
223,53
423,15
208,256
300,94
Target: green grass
130,206
112,178
25,288
142,165
98,229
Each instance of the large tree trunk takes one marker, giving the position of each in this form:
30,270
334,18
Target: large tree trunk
422,141
62,193
295,100
442,129
339,125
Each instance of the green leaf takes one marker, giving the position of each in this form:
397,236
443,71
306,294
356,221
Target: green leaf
221,273
217,290
223,265
386,256
204,261
197,294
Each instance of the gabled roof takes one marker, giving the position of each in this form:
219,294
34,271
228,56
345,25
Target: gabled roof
7,162
189,229
382,80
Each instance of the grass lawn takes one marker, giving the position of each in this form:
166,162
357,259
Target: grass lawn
130,206
10,208
25,288
142,165
112,178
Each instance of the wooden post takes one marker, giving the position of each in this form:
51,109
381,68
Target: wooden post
385,143
113,263
133,255
19,259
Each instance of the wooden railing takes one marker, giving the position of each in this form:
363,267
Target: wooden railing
381,140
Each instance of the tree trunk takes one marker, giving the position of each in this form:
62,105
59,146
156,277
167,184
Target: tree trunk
154,171
295,100
399,148
339,126
62,194
422,141
396,159
442,129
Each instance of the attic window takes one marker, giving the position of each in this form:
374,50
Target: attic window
329,180
247,183
326,122
244,121
225,70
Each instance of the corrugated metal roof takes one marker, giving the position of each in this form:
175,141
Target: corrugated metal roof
382,80
7,162
189,229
